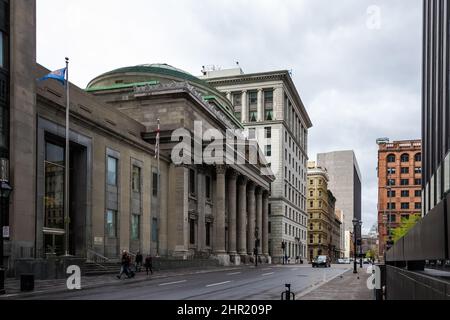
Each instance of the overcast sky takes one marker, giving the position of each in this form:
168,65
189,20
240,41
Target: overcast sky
356,63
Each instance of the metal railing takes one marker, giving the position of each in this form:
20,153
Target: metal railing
95,257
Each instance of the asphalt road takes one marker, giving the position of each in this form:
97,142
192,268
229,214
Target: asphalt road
247,283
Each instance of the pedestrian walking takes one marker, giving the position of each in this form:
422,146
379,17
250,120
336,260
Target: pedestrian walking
149,264
124,265
138,261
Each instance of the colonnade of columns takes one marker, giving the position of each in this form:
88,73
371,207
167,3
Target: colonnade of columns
247,207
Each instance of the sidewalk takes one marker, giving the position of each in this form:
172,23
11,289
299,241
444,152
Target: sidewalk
12,286
344,287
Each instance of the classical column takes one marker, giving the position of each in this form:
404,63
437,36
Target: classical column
260,117
220,211
231,193
251,225
265,224
242,217
244,109
201,205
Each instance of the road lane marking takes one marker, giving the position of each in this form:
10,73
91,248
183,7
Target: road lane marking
217,284
266,269
268,274
233,274
170,283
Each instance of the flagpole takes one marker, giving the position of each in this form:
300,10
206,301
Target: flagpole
67,166
159,185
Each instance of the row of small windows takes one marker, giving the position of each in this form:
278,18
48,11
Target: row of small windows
404,193
404,206
403,170
294,215
405,182
292,231
404,158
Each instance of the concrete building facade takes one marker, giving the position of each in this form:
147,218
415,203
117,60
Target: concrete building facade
345,183
117,201
399,185
269,106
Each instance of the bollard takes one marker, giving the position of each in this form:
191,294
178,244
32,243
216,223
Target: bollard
288,295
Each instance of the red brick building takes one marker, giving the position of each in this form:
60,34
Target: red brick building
399,185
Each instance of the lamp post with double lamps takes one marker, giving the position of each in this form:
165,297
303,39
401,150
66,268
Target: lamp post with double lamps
5,192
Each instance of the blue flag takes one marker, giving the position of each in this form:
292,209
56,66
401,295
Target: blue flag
59,75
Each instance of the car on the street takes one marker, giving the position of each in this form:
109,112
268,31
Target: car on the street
321,261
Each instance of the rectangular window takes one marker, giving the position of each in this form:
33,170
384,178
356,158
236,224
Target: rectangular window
155,230
252,133
418,193
54,186
155,184
237,100
268,99
268,151
405,217
392,218
405,193
253,116
404,182
112,171
418,170
270,227
405,170
253,98
391,171
268,131
391,194
191,231
192,182
136,180
391,182
391,206
418,205
135,226
111,224
208,234
208,187
405,206
418,182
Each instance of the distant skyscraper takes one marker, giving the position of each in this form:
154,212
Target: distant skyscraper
345,183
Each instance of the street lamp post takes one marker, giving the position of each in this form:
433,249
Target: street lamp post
283,247
5,191
256,246
356,223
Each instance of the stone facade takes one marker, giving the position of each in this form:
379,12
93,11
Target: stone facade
118,200
273,114
324,234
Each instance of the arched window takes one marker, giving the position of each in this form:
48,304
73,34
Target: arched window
391,158
405,157
418,157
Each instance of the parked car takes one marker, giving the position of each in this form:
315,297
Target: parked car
320,261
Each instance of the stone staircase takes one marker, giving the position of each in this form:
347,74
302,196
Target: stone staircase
96,269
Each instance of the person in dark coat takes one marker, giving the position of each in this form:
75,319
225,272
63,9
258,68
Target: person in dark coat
125,265
138,261
149,264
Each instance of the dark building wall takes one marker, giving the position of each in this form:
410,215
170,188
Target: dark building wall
435,110
22,128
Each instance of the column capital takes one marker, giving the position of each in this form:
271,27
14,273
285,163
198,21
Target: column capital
232,174
243,180
251,187
259,191
221,169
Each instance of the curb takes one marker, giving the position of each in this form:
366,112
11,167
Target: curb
109,284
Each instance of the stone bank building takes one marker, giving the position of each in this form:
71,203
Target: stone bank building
117,201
